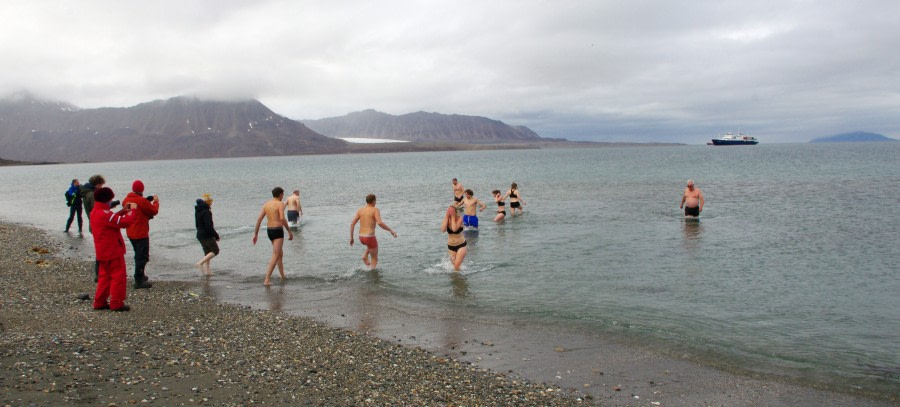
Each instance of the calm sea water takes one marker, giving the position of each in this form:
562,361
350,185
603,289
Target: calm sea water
791,271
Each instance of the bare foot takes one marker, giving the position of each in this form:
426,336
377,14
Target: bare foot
267,282
200,267
366,260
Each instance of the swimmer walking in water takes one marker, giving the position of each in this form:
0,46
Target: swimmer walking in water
294,209
501,206
692,200
515,198
456,242
273,211
457,191
471,203
368,216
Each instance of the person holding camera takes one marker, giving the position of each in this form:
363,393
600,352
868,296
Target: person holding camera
139,231
109,248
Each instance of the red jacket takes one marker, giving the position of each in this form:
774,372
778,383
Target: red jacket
108,242
146,210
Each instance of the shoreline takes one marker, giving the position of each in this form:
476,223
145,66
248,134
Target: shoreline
597,369
179,346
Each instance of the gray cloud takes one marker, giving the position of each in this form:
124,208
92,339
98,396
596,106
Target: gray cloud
784,71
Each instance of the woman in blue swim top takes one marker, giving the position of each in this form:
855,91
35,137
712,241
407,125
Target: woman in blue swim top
515,198
456,242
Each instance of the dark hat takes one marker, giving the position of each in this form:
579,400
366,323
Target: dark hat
201,202
104,195
138,186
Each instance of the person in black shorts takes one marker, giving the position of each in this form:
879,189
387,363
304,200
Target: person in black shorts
206,233
276,223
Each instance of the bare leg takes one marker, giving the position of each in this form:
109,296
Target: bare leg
203,264
276,248
458,259
365,257
280,261
374,253
499,217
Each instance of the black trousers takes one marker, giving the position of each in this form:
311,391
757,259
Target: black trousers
74,210
141,257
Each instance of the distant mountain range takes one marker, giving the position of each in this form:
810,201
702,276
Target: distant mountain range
858,136
36,130
422,126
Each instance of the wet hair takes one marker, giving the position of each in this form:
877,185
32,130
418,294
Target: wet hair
278,191
495,192
370,198
514,186
454,179
97,180
297,191
469,191
451,211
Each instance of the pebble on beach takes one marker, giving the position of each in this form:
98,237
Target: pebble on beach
179,346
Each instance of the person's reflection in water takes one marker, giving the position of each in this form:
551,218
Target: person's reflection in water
459,284
453,332
692,230
275,295
368,298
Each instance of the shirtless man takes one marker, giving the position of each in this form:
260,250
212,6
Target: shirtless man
368,216
692,200
457,192
273,211
470,218
294,209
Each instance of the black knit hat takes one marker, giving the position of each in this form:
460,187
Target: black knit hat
104,195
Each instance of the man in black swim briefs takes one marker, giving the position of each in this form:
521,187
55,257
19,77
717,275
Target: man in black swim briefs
692,200
457,191
273,211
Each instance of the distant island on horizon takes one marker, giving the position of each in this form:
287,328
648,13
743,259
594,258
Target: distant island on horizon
853,137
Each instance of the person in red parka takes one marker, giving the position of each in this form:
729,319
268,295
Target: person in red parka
110,250
139,232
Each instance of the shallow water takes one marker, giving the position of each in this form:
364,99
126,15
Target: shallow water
792,269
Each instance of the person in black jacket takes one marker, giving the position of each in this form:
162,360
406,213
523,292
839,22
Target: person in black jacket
206,233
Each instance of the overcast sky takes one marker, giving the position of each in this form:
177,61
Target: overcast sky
683,71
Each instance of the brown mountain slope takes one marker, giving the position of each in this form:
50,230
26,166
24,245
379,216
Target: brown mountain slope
181,127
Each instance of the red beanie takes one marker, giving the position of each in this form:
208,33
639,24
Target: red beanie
138,186
104,195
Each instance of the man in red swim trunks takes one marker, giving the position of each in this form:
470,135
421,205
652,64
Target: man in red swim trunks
368,216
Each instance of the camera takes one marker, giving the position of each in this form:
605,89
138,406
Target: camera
114,204
150,198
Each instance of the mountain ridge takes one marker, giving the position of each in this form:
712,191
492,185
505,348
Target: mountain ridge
423,127
33,129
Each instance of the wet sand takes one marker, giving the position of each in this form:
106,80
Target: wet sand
182,345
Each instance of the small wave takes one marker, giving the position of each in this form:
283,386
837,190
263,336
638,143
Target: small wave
446,267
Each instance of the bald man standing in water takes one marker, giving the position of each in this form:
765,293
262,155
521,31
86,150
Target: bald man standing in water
692,200
273,211
368,216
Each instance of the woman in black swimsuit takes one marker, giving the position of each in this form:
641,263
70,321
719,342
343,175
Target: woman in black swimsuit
456,242
515,197
501,206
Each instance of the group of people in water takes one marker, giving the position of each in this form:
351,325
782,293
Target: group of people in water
454,224
280,216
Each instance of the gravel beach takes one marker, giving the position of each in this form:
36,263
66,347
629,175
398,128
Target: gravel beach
178,346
